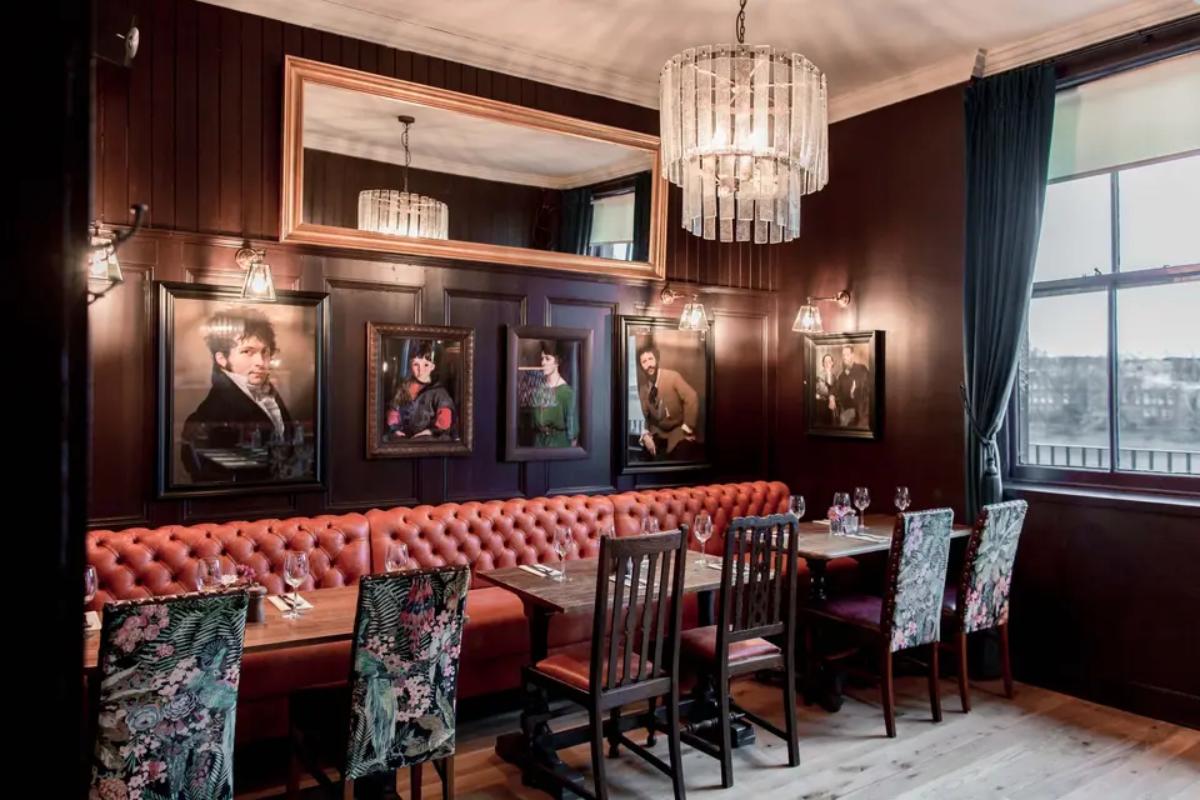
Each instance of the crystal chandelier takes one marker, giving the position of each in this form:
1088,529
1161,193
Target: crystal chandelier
745,135
403,213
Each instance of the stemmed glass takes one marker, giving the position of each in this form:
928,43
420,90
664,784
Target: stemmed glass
562,545
397,557
89,587
295,570
841,502
902,499
703,530
649,524
796,505
208,574
862,499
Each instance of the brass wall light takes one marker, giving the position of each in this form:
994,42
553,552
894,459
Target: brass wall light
103,266
694,316
808,318
258,284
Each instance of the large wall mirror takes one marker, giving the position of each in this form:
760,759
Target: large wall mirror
382,164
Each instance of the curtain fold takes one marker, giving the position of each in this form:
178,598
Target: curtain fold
575,226
1009,118
642,189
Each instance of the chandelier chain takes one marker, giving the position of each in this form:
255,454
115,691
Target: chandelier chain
740,25
407,154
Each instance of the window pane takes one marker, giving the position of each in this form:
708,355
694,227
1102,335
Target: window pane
1158,349
1063,388
1160,206
1075,229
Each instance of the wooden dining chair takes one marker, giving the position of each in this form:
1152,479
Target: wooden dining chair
909,614
757,599
634,653
400,711
985,583
166,696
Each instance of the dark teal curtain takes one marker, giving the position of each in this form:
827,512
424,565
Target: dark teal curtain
1009,119
642,189
575,226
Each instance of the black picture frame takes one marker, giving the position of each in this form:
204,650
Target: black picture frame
245,466
462,390
517,412
662,330
857,420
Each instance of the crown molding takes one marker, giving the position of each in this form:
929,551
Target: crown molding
394,30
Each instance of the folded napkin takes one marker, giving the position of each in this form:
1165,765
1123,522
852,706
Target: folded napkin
91,621
820,522
284,603
541,570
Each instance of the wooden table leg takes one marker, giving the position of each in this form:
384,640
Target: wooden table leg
822,684
700,712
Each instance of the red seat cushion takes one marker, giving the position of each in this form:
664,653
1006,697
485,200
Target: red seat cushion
950,600
701,644
863,610
572,665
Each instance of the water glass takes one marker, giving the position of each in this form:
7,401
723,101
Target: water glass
862,499
89,584
850,524
562,545
208,574
649,524
796,505
902,499
703,529
397,557
295,570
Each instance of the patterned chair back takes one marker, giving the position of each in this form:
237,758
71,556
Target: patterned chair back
988,566
167,699
916,578
404,673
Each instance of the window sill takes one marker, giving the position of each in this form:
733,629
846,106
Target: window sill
1132,500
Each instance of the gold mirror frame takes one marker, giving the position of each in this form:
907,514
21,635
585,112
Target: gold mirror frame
300,71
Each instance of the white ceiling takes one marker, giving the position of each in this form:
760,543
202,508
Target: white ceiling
875,52
365,126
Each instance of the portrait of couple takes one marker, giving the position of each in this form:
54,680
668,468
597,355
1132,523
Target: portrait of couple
843,381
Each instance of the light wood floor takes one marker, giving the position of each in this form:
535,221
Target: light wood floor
1039,745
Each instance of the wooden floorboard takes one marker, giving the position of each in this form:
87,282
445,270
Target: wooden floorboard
1039,745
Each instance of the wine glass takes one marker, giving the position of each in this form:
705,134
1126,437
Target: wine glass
208,574
295,570
89,587
397,557
902,499
649,524
702,528
562,544
862,499
796,505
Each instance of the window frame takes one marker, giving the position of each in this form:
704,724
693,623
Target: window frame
1110,283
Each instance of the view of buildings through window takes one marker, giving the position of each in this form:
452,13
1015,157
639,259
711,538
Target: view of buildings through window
1112,356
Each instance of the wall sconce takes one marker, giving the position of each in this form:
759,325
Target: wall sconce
693,318
103,266
258,284
808,318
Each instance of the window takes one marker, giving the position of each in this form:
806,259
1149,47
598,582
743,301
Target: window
612,225
1111,359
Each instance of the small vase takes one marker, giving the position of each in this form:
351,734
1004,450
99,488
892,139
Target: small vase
255,611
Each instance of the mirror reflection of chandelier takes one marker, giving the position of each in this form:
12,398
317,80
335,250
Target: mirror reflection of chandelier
403,213
745,135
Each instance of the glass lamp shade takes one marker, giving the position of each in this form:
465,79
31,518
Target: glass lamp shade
103,266
399,213
258,285
808,320
745,135
693,318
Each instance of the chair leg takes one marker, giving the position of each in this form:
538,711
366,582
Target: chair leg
596,719
676,757
447,777
964,693
887,690
726,735
1005,664
935,696
651,737
614,732
789,708
415,775
293,777
348,789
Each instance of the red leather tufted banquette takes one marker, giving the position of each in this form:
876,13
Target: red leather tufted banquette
138,562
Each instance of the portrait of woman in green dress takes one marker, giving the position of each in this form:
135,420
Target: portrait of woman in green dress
553,409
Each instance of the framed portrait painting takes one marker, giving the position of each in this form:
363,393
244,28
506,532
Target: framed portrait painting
548,393
241,391
665,387
844,381
419,390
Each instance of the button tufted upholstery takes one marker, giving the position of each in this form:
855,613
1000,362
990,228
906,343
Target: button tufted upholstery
140,562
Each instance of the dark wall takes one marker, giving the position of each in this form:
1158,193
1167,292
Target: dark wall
485,211
889,227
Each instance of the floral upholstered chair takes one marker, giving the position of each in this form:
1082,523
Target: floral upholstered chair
168,683
909,614
403,682
985,582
